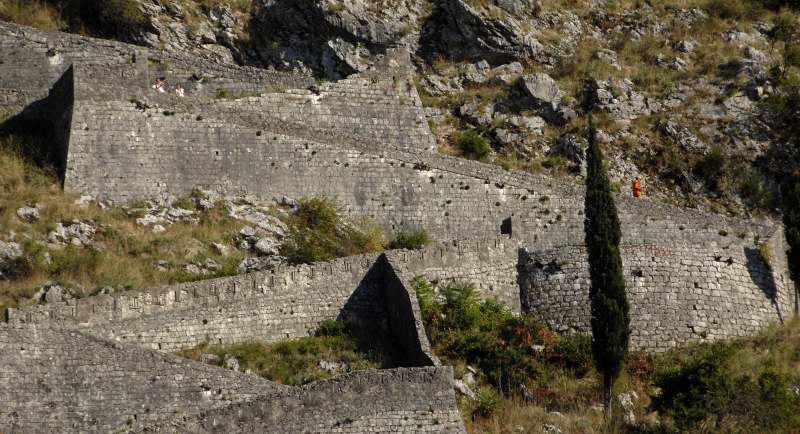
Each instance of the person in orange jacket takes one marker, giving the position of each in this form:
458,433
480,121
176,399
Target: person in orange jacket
636,186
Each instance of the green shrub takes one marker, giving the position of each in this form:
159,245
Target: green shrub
473,145
704,388
487,402
413,239
332,328
318,233
485,334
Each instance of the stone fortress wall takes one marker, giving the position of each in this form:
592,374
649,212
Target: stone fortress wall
60,380
363,141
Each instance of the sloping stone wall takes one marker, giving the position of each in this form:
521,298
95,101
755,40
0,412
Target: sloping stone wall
678,292
57,380
268,306
33,60
417,400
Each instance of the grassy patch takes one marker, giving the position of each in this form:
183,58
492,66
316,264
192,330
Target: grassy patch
410,238
298,361
122,255
32,13
318,232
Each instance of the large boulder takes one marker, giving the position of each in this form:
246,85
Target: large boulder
10,252
542,88
619,98
547,98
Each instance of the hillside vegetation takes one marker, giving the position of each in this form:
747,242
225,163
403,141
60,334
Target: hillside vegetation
524,376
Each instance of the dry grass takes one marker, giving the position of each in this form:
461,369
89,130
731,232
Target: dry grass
123,254
32,13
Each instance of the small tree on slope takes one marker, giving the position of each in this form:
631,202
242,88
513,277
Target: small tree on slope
610,321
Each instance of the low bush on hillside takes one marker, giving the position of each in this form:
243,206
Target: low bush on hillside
299,361
317,232
413,239
473,145
736,386
509,351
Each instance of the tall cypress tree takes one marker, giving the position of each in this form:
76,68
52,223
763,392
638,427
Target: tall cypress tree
610,320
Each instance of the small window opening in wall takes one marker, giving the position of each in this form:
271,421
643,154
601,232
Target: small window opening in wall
505,226
216,153
638,273
205,321
697,284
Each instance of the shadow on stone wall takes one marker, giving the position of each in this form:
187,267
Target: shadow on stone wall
762,275
40,133
369,324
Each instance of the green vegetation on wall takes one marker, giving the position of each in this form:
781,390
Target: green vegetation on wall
317,232
331,351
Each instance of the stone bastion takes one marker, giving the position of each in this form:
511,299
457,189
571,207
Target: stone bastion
105,363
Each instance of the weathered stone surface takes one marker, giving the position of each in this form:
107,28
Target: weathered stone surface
28,213
9,253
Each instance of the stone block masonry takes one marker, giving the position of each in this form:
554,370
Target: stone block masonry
678,293
417,400
269,306
55,380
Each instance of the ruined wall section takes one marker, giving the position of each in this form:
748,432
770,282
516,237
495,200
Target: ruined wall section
270,306
678,292
54,380
416,400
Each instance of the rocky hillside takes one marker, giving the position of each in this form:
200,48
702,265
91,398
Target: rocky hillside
688,93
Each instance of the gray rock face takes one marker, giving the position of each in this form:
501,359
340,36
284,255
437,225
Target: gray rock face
542,88
9,253
266,247
332,37
572,148
76,232
683,137
619,98
495,31
51,292
253,264
476,113
547,97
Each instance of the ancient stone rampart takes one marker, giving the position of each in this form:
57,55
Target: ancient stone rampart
56,380
270,306
678,292
416,400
